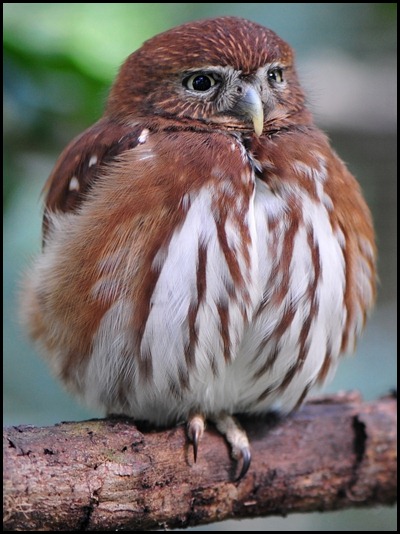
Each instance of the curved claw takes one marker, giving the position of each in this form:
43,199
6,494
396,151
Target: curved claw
195,439
246,456
195,432
236,437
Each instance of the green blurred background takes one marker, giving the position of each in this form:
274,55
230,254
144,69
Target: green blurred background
59,62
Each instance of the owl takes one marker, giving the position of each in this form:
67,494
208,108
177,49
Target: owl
205,251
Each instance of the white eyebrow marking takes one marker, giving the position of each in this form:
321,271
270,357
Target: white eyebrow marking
74,184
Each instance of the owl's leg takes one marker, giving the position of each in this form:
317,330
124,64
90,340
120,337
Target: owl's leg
236,436
195,430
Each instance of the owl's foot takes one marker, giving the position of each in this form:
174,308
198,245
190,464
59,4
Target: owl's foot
236,436
230,428
195,430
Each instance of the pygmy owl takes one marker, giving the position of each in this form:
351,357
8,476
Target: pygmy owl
205,251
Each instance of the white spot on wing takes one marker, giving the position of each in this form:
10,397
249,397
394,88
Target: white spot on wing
143,136
93,161
74,184
148,154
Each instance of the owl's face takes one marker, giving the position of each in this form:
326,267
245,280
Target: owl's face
234,74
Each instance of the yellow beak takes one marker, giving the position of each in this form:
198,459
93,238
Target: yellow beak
250,105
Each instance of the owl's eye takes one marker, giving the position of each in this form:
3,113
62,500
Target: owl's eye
275,75
199,82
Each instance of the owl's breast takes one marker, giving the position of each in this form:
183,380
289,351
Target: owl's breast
294,337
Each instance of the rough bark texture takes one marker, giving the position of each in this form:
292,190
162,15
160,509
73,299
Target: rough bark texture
336,452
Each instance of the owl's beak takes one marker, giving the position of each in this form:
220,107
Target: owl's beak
250,105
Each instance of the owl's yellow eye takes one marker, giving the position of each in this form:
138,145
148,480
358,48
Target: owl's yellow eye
275,75
199,82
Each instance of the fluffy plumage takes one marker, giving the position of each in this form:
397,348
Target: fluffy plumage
205,250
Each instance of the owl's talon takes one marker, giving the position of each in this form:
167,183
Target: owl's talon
195,445
246,456
195,432
236,436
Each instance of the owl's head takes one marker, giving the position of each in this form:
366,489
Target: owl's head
226,73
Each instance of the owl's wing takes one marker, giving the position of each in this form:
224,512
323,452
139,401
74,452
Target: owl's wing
159,230
80,163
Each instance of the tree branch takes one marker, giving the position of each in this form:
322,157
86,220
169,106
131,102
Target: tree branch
336,452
